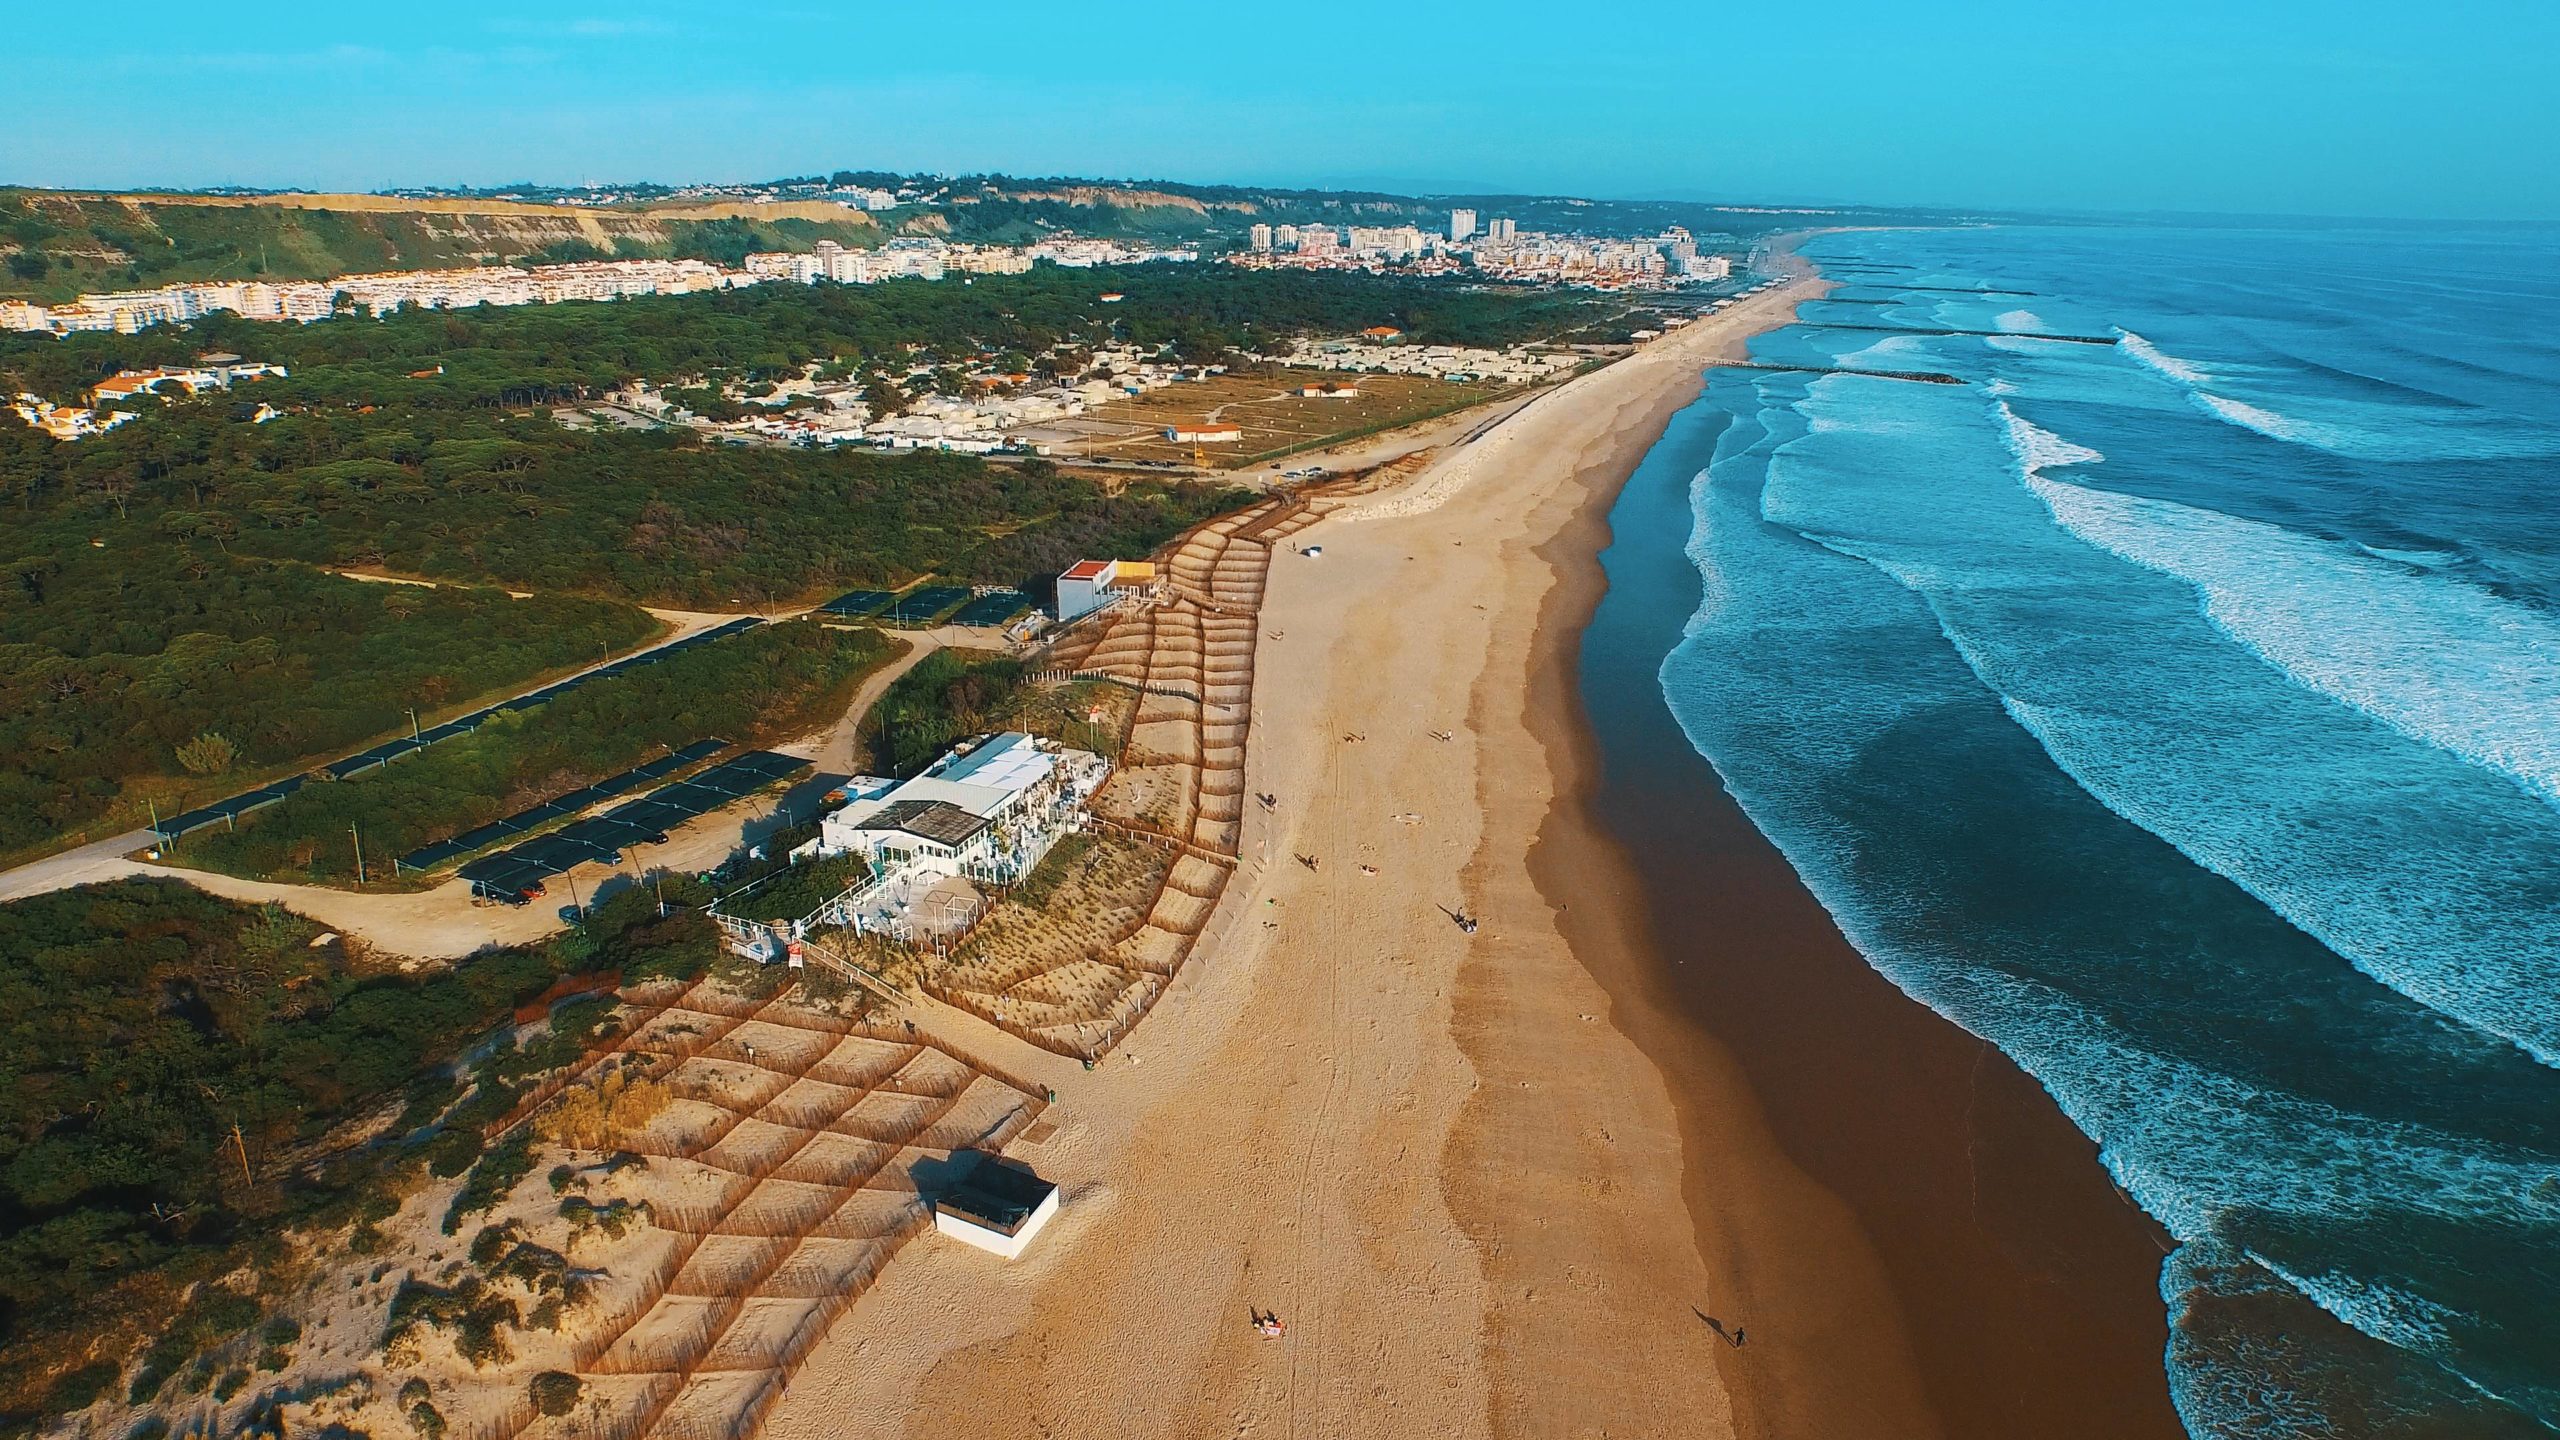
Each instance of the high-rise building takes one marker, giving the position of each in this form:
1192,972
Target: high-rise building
1462,223
1286,237
1261,237
1503,232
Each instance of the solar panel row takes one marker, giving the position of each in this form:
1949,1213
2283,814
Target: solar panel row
427,857
383,754
926,604
517,873
993,608
854,604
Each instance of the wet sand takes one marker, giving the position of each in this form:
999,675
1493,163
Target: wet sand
1914,1238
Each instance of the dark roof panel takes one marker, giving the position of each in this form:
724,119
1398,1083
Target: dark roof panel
935,820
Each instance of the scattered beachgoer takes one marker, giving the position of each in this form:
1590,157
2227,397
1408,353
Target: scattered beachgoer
1307,860
1737,1337
1368,869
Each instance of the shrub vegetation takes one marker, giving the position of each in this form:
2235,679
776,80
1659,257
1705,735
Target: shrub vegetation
142,1020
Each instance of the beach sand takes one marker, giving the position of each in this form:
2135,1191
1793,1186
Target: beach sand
1451,1163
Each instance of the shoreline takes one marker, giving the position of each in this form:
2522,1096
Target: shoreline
1279,1134
1925,1242
1492,1186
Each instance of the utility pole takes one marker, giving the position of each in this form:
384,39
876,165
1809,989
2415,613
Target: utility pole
155,819
246,1182
413,724
359,839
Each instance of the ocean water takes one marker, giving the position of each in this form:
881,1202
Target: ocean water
2180,713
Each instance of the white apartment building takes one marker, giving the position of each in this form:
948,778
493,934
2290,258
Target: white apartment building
1386,242
1462,223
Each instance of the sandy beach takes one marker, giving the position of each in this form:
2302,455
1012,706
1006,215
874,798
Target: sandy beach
1432,1154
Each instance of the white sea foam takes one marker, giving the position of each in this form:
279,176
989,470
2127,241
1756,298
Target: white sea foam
2156,359
2361,429
2436,658
2427,559
2272,425
2021,320
2037,448
2210,1153
2411,1322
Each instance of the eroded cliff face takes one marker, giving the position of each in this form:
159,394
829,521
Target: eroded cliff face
55,245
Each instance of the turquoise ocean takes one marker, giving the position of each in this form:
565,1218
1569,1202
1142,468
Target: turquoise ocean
2173,702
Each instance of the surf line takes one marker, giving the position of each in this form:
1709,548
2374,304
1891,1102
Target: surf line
1921,377
1986,334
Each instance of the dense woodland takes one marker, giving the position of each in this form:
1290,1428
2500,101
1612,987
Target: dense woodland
490,496
767,684
144,605
163,669
145,1020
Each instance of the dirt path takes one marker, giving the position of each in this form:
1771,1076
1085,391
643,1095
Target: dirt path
833,750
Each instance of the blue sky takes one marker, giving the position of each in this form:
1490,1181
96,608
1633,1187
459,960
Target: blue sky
2444,109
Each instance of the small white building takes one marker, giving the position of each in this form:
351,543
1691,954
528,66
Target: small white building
1088,585
999,1207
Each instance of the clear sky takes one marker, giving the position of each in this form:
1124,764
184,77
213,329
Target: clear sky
2449,108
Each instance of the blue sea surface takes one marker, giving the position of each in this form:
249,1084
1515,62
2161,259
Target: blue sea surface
2180,713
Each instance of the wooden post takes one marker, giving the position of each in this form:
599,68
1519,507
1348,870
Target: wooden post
359,839
242,1141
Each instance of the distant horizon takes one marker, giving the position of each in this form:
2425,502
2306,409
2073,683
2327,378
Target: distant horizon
1985,213
2338,109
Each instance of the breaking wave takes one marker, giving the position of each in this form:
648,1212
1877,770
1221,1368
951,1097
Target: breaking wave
2435,658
